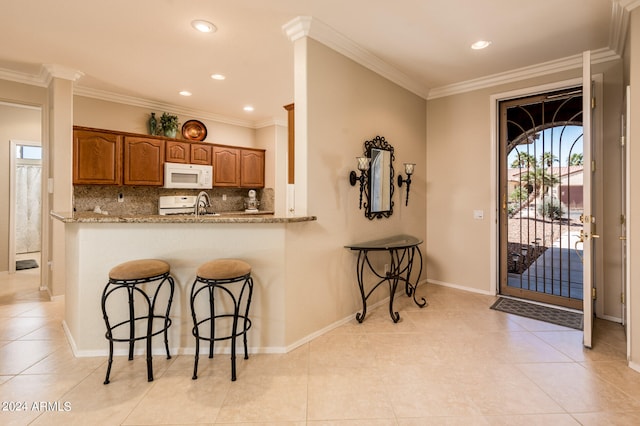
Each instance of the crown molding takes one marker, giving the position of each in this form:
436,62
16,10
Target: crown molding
48,72
297,28
545,68
619,27
270,122
24,78
52,71
629,5
308,26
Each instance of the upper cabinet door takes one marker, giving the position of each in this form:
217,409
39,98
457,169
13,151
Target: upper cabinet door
143,161
177,152
252,168
97,158
201,153
226,166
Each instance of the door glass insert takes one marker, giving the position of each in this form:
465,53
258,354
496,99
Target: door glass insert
542,165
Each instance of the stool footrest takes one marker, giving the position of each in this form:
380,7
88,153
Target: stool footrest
109,333
239,333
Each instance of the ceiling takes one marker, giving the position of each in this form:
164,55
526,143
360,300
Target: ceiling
147,49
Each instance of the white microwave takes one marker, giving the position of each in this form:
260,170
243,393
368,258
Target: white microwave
177,175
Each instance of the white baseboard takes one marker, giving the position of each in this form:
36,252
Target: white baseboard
460,287
610,318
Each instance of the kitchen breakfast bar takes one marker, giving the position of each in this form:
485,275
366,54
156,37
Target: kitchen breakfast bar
95,243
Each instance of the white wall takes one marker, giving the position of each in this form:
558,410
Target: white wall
17,123
340,105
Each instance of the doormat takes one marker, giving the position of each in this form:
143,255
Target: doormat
539,312
26,264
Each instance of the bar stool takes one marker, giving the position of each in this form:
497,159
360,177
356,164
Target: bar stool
138,278
220,274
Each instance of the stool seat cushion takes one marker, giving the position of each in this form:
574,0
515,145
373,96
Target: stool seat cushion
221,269
137,269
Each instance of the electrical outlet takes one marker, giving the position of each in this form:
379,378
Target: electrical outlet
224,197
121,197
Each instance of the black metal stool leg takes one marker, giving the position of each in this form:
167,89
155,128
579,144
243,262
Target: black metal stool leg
149,351
234,335
132,322
106,379
212,325
195,329
108,334
167,321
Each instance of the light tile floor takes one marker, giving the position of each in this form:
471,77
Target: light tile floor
455,362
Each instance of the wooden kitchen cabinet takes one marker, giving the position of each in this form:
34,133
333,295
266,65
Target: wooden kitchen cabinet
201,153
177,152
106,157
97,157
226,166
188,152
238,167
252,168
143,161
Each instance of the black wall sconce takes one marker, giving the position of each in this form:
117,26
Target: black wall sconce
408,169
363,166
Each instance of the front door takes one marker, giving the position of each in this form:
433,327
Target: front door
588,219
542,169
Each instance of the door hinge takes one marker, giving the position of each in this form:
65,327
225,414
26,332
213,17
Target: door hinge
593,293
593,103
593,166
622,219
622,140
622,298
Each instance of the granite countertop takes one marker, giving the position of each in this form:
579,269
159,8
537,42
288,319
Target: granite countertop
229,217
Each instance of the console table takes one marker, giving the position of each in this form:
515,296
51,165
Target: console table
402,250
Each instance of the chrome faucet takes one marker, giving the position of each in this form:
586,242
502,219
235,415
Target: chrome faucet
202,200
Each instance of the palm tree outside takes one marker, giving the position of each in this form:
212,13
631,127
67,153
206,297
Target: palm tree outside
575,159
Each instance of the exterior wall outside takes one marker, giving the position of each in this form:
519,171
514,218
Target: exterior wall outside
346,104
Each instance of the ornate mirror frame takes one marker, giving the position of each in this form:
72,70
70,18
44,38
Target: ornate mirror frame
377,179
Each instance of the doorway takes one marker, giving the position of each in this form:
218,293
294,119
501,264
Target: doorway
25,204
541,168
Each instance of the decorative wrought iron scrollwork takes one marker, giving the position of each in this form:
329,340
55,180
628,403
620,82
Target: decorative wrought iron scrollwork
380,143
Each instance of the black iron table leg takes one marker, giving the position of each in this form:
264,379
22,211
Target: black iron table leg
401,249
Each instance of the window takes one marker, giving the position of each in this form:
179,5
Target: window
29,152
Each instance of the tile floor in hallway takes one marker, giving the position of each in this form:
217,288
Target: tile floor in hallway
455,362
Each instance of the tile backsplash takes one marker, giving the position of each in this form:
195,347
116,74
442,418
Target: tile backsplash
143,200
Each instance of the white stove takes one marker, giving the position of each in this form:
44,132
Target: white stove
176,204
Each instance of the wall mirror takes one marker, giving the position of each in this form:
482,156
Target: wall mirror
379,190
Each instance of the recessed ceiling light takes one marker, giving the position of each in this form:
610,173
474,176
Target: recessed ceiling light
185,93
218,76
248,108
203,26
480,44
